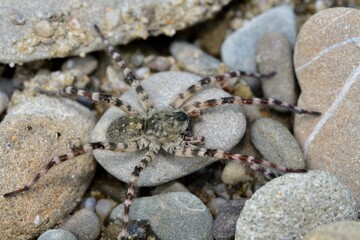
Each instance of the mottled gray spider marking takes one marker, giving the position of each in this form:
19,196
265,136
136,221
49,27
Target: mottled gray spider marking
170,130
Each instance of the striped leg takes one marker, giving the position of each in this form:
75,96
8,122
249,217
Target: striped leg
132,187
254,163
94,96
194,108
194,140
134,82
132,146
219,80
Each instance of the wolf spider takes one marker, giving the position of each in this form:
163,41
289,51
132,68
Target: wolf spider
168,129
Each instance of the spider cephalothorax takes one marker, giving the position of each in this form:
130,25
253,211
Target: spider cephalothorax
169,129
166,126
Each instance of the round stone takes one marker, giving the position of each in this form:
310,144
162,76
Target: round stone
104,207
274,53
57,234
193,59
225,222
222,128
177,215
239,49
32,133
84,224
275,142
327,64
290,206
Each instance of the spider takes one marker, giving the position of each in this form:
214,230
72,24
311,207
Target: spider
169,129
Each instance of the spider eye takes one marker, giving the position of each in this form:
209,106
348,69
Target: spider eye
181,116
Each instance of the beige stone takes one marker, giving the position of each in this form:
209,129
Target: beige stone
327,64
31,134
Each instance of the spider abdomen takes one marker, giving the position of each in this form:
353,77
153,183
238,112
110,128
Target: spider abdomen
125,129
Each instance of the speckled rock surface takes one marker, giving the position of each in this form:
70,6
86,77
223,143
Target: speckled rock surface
222,128
346,230
57,234
239,49
327,63
290,206
274,53
276,143
31,134
225,222
176,216
34,30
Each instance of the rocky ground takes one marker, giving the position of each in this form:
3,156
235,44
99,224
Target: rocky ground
312,46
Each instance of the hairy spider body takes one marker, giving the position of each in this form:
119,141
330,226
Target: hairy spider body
168,129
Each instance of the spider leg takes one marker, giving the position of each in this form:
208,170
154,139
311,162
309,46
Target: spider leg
219,80
94,96
131,146
256,164
132,187
134,82
194,140
194,108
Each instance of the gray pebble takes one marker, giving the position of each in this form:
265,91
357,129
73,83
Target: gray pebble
225,222
137,59
193,59
276,143
90,203
214,204
142,72
170,187
57,234
4,101
84,224
222,128
85,65
274,53
159,64
174,216
104,207
239,49
67,27
290,206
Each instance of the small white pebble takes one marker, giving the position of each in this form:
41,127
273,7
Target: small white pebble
143,72
37,221
74,24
